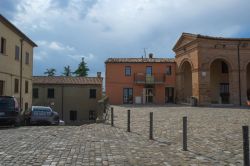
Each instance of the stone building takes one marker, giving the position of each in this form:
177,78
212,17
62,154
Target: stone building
16,63
212,69
74,98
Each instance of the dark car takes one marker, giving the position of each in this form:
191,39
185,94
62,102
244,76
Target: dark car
43,115
9,111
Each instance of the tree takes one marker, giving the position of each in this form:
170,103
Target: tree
67,71
82,69
50,72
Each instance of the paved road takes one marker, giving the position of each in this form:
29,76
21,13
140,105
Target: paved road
214,138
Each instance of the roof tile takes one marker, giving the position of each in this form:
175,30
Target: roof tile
139,60
67,80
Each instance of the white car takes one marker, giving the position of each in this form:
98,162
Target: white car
43,115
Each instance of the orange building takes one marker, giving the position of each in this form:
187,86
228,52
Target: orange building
140,80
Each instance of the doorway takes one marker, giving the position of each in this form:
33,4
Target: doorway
219,82
224,93
149,95
127,96
169,95
186,90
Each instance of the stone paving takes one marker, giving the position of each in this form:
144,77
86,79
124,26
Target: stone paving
214,138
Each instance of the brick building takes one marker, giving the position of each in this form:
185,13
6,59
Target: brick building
213,70
140,80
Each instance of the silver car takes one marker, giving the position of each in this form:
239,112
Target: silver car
43,115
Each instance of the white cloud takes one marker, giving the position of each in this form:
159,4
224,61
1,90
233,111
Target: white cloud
89,57
40,56
54,45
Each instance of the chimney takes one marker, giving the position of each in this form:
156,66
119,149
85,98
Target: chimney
99,74
150,55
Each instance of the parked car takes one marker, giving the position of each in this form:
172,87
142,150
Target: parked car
9,111
43,115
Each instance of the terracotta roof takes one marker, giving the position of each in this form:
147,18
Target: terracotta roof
139,60
63,80
214,38
16,30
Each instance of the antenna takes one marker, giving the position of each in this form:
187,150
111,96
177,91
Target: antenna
145,54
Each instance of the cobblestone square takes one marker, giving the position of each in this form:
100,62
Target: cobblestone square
214,138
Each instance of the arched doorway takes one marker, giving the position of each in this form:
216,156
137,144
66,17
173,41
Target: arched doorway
248,82
186,81
219,82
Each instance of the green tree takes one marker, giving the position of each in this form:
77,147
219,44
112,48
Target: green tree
67,71
50,72
82,69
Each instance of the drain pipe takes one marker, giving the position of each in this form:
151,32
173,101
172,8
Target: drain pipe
238,49
21,75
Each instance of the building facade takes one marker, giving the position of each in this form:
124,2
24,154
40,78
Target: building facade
74,98
16,63
213,70
140,80
209,70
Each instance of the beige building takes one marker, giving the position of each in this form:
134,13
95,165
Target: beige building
16,63
74,98
213,70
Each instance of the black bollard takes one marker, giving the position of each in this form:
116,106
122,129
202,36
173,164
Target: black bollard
112,116
185,133
245,145
151,126
128,121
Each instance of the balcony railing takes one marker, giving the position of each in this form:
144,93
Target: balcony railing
143,78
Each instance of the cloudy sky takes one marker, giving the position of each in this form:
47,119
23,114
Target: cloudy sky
66,30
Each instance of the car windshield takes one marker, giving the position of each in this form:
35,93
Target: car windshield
41,112
7,104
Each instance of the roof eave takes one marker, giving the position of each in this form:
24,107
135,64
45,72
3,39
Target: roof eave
17,31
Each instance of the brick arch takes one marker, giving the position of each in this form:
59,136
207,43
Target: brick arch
245,65
216,78
224,58
182,62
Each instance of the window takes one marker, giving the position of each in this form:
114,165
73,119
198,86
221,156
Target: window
149,70
128,96
73,115
168,70
224,68
92,115
27,56
127,71
92,93
26,87
35,93
17,52
1,87
16,86
26,105
51,92
3,45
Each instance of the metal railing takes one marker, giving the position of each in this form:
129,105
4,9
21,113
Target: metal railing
143,78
